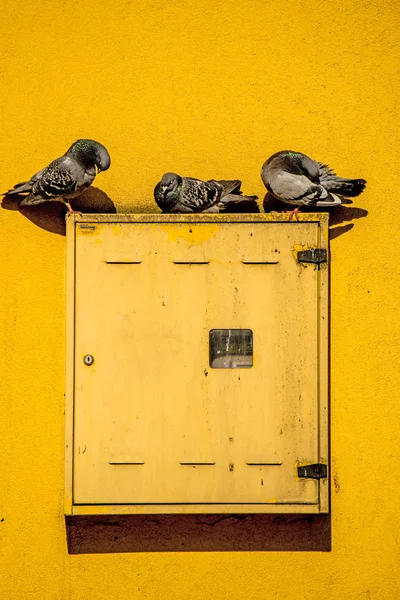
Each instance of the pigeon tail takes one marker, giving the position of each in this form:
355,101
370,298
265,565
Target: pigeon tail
20,188
332,200
345,187
229,186
234,203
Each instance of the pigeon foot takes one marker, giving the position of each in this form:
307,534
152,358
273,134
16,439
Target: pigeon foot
293,213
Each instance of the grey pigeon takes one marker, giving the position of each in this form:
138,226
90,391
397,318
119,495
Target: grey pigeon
296,179
66,177
175,194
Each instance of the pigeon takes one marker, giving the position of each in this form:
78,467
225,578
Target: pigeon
294,178
66,177
175,194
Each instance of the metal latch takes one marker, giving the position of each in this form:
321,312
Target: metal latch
314,255
317,471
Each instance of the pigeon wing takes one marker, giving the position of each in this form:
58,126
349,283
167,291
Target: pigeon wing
197,195
55,181
296,189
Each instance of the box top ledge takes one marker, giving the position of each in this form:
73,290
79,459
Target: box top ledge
322,218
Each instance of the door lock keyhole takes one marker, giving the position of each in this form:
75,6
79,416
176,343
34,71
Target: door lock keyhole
88,359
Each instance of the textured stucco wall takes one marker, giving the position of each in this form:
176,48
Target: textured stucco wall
207,89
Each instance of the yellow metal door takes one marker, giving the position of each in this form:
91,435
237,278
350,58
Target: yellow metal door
154,423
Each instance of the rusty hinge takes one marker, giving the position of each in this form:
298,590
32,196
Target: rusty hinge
314,255
317,471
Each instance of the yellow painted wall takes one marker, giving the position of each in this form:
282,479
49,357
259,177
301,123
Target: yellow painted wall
208,89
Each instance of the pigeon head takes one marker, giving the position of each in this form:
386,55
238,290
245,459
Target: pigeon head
169,182
90,152
166,192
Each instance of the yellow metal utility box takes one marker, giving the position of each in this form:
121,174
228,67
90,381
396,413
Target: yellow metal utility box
197,364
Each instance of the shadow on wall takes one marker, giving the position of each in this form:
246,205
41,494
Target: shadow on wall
337,215
198,533
51,215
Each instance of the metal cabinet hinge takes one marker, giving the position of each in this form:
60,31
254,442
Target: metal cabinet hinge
317,471
314,255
